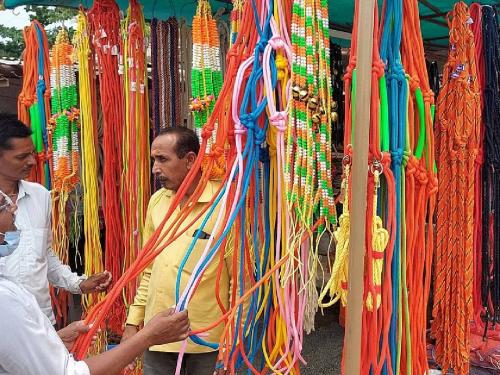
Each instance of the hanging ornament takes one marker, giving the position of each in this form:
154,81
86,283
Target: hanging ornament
206,74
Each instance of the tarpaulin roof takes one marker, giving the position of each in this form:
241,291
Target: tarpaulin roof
432,12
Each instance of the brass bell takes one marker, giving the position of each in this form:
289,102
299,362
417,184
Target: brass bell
335,105
316,118
296,92
312,104
303,95
335,117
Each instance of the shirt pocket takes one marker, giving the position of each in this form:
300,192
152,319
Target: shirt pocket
36,249
34,256
196,255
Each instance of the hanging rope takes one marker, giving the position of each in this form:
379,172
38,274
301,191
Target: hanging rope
477,29
491,177
458,118
417,196
64,140
89,151
135,154
273,316
33,106
105,25
185,61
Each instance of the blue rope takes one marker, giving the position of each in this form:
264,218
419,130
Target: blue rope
251,155
397,94
41,87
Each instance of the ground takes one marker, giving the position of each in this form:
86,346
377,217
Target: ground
323,347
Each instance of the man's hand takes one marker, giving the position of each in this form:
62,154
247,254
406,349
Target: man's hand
70,333
7,217
96,283
167,327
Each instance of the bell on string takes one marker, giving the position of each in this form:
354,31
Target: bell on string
322,109
312,104
316,118
296,92
335,117
335,105
303,95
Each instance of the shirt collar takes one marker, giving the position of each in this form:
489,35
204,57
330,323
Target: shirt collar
24,189
205,197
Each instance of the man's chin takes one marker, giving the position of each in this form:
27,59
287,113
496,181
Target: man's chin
25,175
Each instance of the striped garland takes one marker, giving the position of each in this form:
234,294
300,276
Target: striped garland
308,165
206,74
64,121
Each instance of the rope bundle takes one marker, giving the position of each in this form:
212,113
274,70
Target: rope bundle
457,125
166,91
64,140
104,22
33,103
135,182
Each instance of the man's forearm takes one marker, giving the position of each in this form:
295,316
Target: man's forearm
115,360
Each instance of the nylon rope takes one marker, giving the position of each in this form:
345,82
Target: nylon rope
458,117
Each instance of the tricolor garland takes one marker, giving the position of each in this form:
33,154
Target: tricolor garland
206,73
64,142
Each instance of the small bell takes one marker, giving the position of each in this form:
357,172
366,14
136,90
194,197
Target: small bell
335,117
335,105
303,95
316,118
296,92
312,104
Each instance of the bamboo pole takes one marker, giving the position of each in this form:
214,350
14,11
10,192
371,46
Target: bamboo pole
359,187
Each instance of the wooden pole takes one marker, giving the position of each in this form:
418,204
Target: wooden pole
359,187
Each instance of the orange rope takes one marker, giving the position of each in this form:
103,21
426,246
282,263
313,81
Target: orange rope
458,119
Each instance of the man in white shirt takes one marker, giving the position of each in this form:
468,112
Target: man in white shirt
34,265
30,345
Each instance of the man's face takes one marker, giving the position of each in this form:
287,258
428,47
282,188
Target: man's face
16,164
167,166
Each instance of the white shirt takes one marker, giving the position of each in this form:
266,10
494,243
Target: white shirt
34,265
29,345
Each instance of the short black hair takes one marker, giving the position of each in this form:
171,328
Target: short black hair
187,140
11,127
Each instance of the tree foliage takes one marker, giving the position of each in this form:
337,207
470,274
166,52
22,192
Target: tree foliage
11,39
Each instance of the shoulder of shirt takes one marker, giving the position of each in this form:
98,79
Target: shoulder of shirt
34,188
9,290
159,195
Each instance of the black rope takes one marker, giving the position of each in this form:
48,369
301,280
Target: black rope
433,70
337,73
155,77
491,171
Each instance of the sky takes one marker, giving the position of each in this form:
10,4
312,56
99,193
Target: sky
18,17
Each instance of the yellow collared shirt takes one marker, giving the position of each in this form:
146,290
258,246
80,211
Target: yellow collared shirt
156,291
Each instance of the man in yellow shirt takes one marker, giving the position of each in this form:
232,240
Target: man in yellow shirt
174,152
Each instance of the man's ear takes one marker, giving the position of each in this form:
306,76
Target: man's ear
191,158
